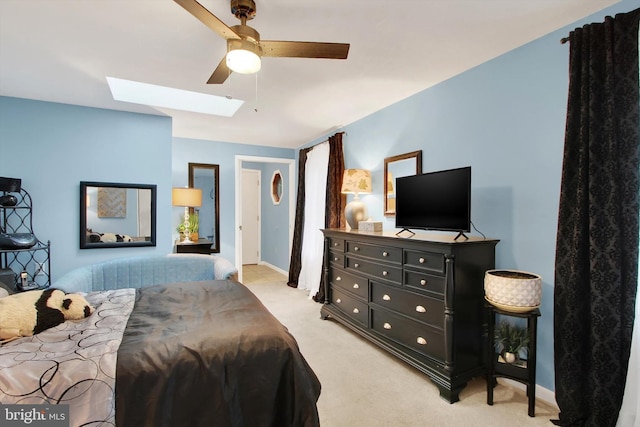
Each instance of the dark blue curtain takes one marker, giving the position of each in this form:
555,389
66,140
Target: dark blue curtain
596,264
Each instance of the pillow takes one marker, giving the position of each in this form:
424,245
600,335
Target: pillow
27,313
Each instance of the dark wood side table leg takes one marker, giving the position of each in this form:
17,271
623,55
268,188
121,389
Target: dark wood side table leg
532,324
491,381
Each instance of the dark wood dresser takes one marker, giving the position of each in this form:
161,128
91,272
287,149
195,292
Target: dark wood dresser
420,298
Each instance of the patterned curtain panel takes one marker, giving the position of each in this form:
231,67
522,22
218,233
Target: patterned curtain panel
295,264
596,264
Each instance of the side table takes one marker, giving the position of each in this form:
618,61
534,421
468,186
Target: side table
525,371
202,246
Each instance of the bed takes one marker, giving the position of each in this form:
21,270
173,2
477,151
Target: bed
205,353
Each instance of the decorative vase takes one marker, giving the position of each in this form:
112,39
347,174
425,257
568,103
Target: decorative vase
8,200
509,357
513,290
194,236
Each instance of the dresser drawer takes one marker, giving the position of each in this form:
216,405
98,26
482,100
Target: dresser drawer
416,336
336,258
336,244
375,270
421,308
382,253
350,282
353,308
429,261
421,281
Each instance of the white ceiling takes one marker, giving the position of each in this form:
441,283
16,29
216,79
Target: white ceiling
62,50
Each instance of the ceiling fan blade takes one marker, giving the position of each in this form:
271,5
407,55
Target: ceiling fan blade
221,72
207,18
304,49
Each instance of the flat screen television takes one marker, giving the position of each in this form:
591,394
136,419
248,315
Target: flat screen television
438,200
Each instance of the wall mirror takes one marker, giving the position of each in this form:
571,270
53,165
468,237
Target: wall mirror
276,187
117,215
206,177
395,167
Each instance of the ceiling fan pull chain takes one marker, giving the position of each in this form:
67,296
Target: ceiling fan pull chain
256,108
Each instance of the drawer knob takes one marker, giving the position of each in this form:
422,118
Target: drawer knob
356,265
385,272
355,248
421,341
335,244
335,258
421,260
423,282
356,311
387,325
386,297
420,309
338,279
385,253
356,286
338,300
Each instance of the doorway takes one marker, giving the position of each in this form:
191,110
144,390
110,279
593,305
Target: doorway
289,190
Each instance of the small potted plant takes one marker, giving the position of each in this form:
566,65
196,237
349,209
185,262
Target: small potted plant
180,229
510,340
194,226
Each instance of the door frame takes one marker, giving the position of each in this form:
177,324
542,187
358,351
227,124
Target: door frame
238,202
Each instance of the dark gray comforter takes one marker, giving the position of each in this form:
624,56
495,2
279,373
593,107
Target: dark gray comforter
210,354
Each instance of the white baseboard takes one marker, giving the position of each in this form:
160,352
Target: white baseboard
544,394
279,270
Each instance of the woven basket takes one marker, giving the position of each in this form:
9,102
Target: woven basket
513,288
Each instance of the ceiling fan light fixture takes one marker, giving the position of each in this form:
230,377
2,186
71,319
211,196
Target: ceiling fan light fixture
243,57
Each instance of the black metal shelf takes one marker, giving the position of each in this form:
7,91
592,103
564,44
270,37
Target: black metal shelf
36,260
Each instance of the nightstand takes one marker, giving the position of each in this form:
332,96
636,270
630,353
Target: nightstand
202,246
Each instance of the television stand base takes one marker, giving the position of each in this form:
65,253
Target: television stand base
403,230
460,234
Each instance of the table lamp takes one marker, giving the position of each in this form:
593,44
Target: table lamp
356,181
189,198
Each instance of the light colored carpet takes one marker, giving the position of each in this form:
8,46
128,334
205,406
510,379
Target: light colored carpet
363,386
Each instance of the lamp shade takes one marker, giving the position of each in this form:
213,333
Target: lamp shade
356,181
187,197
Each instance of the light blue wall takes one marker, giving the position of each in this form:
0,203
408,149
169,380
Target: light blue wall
506,119
222,153
52,147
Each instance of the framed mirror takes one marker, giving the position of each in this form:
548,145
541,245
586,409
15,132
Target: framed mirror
276,187
398,166
116,215
207,178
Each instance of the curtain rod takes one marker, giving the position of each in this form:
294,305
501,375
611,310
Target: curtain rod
343,132
564,40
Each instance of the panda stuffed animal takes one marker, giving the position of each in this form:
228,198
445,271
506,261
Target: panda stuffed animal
27,313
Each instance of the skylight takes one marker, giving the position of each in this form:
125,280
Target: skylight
176,99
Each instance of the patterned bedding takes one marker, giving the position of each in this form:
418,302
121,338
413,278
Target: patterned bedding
73,363
195,353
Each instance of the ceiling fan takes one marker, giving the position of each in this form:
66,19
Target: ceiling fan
244,47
